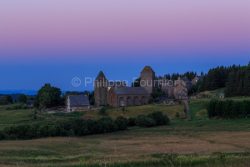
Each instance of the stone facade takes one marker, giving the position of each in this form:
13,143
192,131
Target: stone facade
77,103
180,90
127,96
147,79
167,86
118,94
101,90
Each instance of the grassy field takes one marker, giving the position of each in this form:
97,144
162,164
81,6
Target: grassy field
199,142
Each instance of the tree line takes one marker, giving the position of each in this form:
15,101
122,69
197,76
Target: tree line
228,109
235,80
190,75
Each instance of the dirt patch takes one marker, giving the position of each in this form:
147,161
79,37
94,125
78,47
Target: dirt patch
205,143
129,147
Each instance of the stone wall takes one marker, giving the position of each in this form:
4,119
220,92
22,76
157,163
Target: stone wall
147,79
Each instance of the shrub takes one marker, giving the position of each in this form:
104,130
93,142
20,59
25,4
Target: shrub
177,115
145,121
4,100
22,99
131,121
92,126
45,131
211,108
121,123
105,125
103,111
159,118
79,127
246,112
21,132
2,135
62,128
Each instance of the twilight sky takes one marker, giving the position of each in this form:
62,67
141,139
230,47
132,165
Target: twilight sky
56,40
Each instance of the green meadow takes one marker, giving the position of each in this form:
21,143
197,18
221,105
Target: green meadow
197,142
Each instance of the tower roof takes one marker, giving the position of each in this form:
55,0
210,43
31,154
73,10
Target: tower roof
101,76
148,69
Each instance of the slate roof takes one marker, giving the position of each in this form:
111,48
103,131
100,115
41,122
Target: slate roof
147,68
78,100
130,91
101,76
117,84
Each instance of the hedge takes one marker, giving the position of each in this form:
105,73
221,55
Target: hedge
80,127
228,109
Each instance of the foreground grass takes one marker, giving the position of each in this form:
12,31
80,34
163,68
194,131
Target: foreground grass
199,142
134,111
173,160
18,117
43,158
175,145
159,160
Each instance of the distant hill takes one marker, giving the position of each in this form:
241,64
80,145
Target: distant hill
10,92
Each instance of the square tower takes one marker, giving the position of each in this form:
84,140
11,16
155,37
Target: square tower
101,90
147,79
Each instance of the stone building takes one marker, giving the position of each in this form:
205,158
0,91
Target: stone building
127,96
77,103
167,86
101,90
147,79
118,94
180,90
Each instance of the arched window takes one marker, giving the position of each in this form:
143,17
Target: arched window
143,100
129,101
121,102
136,101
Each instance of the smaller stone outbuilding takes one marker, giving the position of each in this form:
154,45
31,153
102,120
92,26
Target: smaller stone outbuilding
77,103
180,90
128,96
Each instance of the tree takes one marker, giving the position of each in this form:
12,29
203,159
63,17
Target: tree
4,100
92,98
238,82
136,83
48,96
22,99
157,94
247,81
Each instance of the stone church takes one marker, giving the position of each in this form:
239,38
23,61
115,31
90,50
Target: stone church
118,94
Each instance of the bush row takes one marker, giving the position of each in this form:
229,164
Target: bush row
228,109
80,127
154,119
73,127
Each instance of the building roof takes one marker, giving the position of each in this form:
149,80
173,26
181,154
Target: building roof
101,76
78,100
148,69
117,84
130,91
